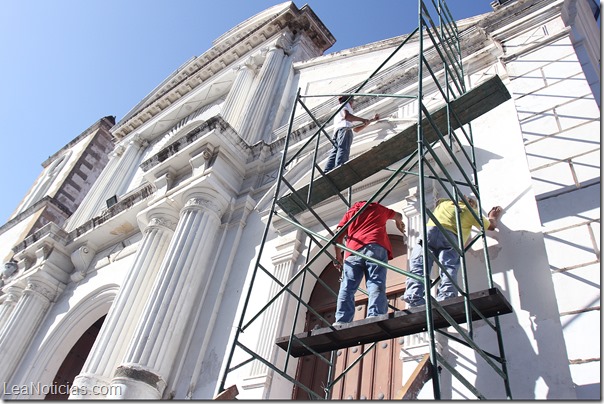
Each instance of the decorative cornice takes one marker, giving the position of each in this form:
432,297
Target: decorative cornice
196,133
222,54
133,198
51,231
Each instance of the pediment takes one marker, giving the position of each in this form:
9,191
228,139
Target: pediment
226,51
240,31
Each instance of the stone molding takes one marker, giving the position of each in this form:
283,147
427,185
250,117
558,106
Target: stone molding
193,135
222,54
289,248
141,374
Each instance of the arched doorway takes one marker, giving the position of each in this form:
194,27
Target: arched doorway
74,362
379,374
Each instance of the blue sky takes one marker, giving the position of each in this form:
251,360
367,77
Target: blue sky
67,63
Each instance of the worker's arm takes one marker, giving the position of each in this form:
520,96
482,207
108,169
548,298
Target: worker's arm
398,218
364,125
494,215
351,118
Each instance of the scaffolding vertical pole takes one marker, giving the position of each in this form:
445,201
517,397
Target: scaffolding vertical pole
422,195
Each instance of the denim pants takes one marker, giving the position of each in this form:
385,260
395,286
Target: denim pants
375,279
341,150
448,257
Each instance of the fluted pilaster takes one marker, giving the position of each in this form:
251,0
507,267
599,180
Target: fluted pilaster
414,225
258,106
109,348
12,297
111,182
182,276
283,264
235,101
23,323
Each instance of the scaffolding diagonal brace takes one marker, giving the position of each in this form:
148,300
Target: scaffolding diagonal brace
467,107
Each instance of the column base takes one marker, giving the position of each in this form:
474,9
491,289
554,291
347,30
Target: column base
133,382
88,387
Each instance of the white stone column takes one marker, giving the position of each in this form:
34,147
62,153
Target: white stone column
235,101
283,264
12,295
109,347
111,182
183,274
259,104
23,323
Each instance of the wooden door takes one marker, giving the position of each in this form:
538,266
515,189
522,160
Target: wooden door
379,374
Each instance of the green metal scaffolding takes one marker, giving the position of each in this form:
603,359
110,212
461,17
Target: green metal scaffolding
437,68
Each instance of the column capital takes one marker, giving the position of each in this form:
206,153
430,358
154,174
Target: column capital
12,293
161,222
40,288
284,42
163,216
132,141
202,202
289,248
138,141
118,150
207,195
248,63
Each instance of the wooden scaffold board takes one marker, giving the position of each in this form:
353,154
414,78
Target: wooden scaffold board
489,302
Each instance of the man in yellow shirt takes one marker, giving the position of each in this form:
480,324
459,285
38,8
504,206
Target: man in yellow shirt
440,247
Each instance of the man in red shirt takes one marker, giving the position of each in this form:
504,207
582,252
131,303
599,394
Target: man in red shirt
367,235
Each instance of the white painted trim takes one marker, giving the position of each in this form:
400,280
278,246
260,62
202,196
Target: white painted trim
53,351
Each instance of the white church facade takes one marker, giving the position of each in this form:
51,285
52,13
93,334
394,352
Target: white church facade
126,267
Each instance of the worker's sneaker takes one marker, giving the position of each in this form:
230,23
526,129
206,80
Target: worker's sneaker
338,323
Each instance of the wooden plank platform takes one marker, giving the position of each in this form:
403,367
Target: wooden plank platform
467,107
490,302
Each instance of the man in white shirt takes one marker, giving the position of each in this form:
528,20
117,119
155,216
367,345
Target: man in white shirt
342,136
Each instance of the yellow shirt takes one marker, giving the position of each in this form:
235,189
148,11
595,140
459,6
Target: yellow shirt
445,214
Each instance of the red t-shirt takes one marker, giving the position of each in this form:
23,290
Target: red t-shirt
369,227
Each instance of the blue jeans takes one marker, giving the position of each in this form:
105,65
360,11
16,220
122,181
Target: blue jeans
375,279
341,150
447,256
